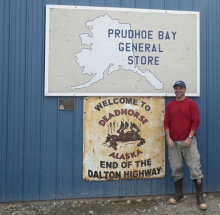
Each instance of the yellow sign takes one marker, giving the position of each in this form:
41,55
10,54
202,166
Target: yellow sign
123,138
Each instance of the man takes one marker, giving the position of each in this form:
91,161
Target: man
180,123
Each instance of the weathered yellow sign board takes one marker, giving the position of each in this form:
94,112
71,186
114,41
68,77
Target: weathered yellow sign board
123,138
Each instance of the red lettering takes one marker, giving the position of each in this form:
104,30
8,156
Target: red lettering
143,122
102,122
112,155
141,118
130,112
123,111
104,117
117,112
111,115
117,156
136,114
122,157
139,152
127,156
133,154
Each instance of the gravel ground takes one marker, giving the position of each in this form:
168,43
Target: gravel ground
129,206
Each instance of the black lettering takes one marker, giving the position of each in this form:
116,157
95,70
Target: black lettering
98,107
148,172
141,173
90,173
147,107
95,175
128,101
124,164
135,101
126,174
122,100
106,174
142,103
111,175
109,102
158,170
154,171
114,100
149,161
135,174
105,103
137,163
143,163
117,174
102,164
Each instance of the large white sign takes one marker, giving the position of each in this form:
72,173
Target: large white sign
115,51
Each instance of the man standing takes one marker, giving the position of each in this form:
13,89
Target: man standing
180,123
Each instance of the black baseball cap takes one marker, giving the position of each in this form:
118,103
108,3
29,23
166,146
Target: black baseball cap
179,83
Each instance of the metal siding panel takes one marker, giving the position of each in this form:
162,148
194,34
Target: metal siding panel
65,153
48,174
33,99
81,188
15,117
160,186
49,129
158,4
202,102
217,9
169,186
113,188
186,5
171,4
128,187
113,3
83,3
146,4
210,113
97,189
98,3
213,96
66,2
4,53
128,3
144,187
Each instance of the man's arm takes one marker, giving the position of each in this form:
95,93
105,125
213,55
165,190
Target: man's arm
170,143
195,124
194,116
188,140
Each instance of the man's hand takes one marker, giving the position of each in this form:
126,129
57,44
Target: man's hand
187,142
170,143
